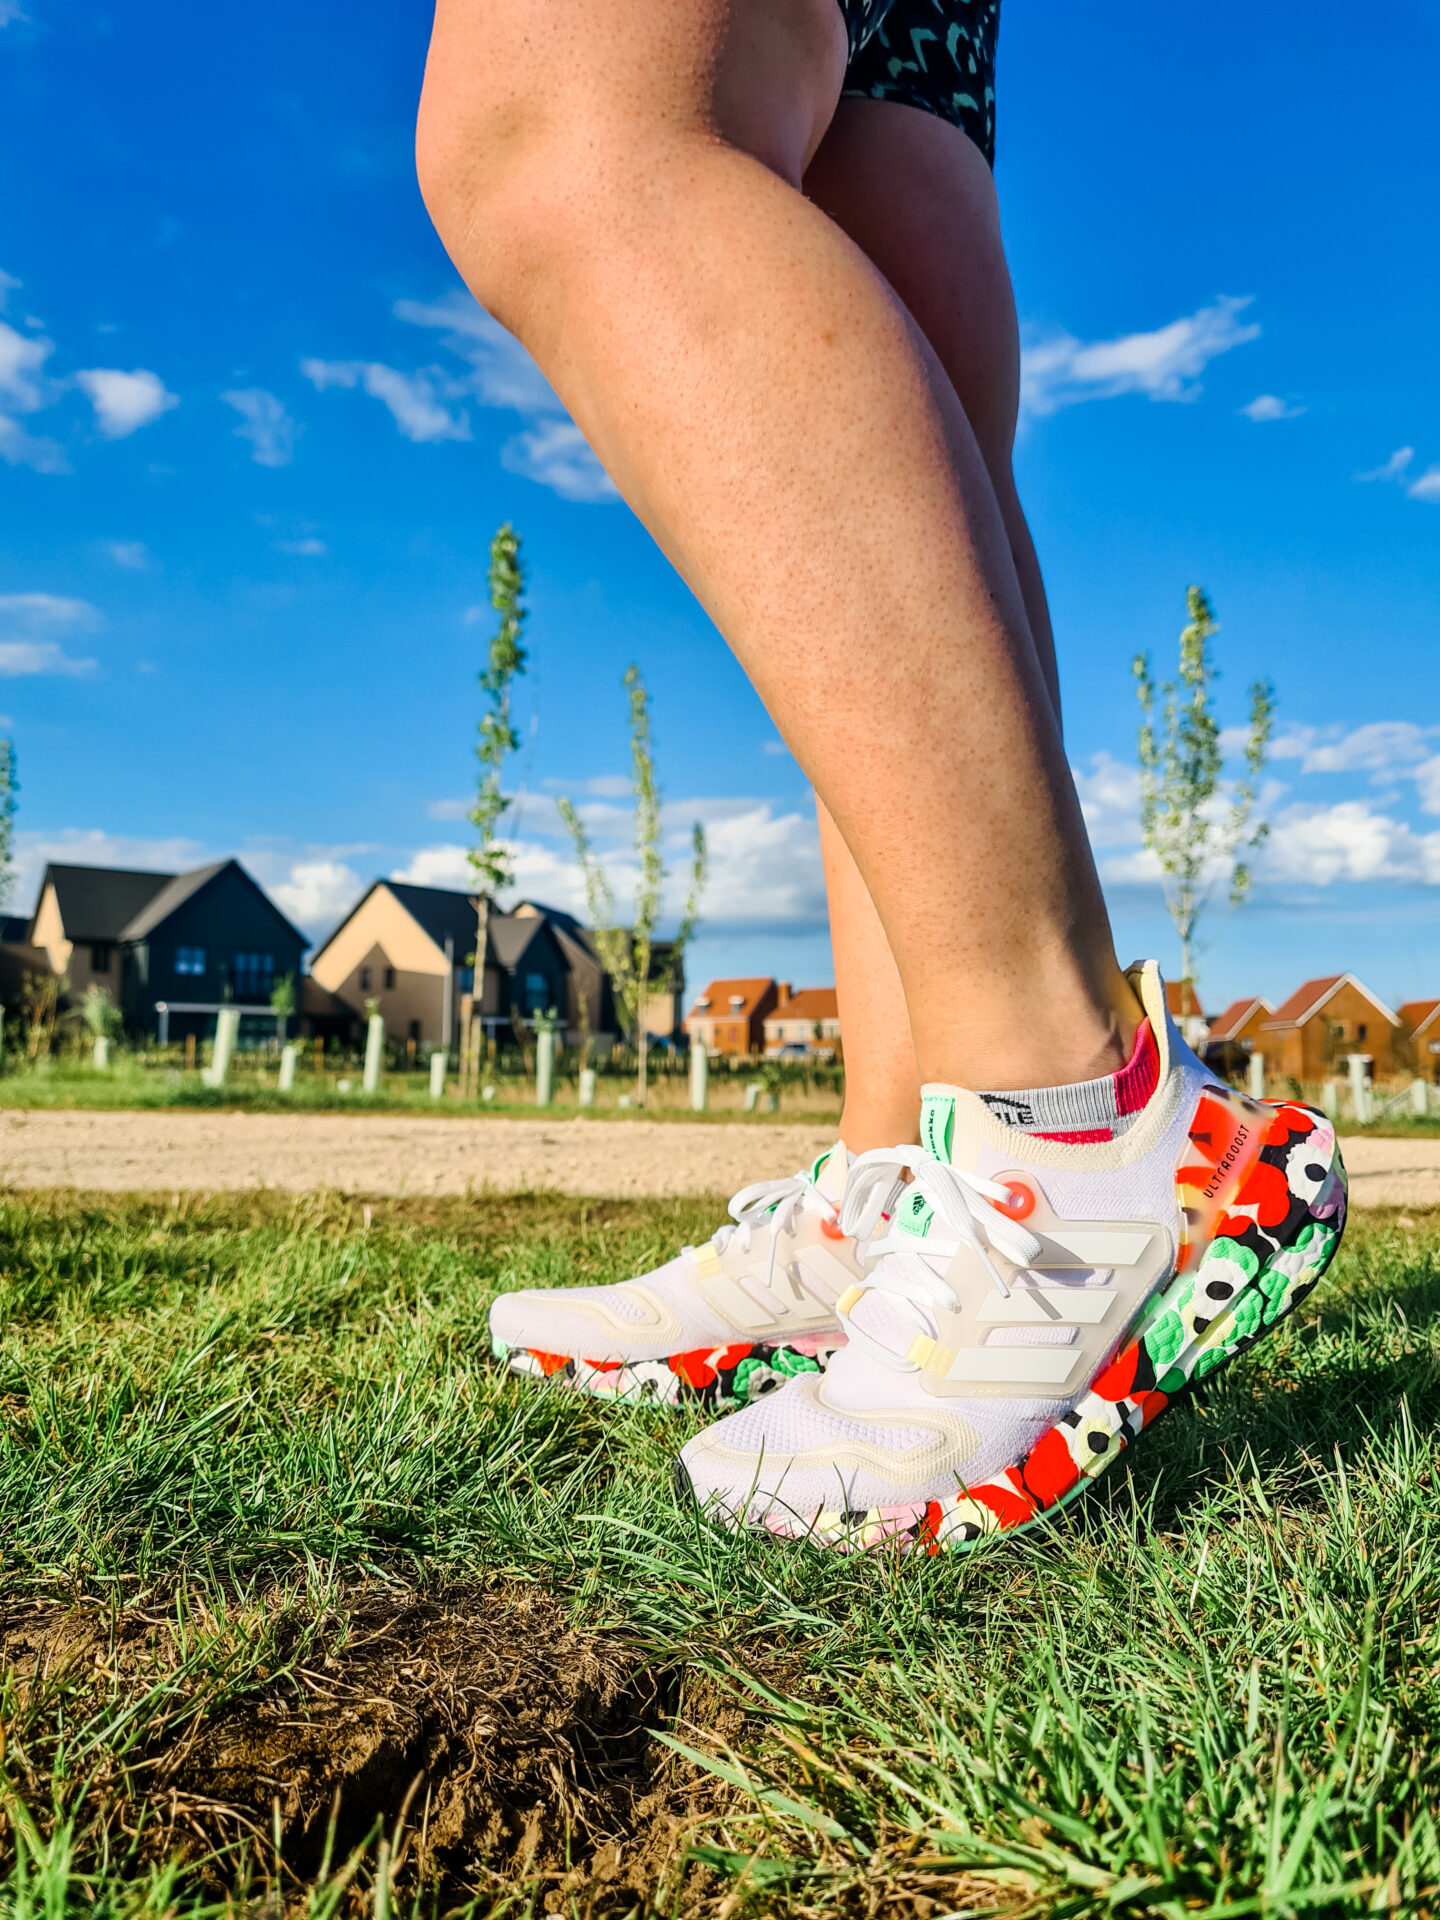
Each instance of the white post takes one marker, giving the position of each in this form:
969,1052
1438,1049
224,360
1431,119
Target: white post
699,1075
1419,1098
544,1066
374,1052
1256,1077
1330,1098
1359,1087
439,1063
753,1092
227,1032
288,1055
100,1053
587,1086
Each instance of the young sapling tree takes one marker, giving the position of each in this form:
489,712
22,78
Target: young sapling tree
627,953
1198,827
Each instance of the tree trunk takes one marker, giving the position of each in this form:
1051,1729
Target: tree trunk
642,1039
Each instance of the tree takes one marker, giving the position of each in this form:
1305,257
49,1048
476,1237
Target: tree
627,953
491,862
9,787
1196,826
282,999
103,1019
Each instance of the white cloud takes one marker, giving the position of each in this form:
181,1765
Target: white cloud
25,388
447,809
131,554
316,892
11,10
1352,840
558,455
1059,371
1380,746
1269,406
415,400
1426,487
1393,468
1110,801
124,402
92,847
264,423
29,623
309,548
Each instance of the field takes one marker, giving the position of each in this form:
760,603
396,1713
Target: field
304,1607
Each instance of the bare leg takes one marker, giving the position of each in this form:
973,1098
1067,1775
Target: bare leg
917,197
631,209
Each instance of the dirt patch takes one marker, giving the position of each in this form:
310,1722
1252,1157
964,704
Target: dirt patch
474,1731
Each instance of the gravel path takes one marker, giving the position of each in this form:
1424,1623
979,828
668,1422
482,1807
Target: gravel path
176,1152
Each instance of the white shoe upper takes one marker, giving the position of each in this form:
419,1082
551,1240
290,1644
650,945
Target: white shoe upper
771,1276
1013,1267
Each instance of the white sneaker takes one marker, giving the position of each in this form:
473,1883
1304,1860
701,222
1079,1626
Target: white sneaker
722,1323
1035,1304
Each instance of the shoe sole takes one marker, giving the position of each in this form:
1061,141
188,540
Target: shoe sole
1285,1219
711,1377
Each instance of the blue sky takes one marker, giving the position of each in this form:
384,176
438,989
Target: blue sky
254,438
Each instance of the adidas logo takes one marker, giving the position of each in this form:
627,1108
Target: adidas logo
1014,1113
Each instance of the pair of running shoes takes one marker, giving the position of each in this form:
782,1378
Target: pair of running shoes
921,1346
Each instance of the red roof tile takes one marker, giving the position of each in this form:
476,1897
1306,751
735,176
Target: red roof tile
1229,1023
1192,1007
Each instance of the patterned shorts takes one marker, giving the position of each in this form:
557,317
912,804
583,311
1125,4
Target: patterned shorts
938,55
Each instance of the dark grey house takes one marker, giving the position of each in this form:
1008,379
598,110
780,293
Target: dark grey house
170,949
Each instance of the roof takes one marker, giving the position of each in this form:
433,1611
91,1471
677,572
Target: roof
810,1003
720,993
1307,1000
183,887
1178,1009
1226,1025
1417,1014
510,936
437,910
98,903
14,929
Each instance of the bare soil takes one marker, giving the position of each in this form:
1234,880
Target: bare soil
176,1151
180,1152
475,1731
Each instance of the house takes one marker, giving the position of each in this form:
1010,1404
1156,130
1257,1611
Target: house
1310,1034
729,1017
591,1007
411,950
1239,1025
804,1027
1420,1036
1186,1011
170,948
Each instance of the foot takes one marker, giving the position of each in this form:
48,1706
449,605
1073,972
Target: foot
722,1323
1034,1306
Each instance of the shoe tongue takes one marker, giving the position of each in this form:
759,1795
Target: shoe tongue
830,1172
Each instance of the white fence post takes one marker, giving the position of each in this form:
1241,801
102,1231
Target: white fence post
1330,1098
287,1067
1419,1098
374,1052
544,1066
753,1091
439,1064
227,1032
587,1086
1359,1087
1256,1086
699,1076
100,1053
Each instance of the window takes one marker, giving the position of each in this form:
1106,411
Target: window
254,976
389,979
466,976
364,979
737,1000
537,993
100,956
190,960
1360,1031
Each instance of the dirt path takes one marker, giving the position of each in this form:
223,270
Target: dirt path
195,1152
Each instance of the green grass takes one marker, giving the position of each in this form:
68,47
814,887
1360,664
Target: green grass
1214,1688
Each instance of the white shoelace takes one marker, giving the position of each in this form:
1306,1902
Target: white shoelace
772,1204
911,1270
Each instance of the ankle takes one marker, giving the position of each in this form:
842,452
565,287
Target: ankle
864,1127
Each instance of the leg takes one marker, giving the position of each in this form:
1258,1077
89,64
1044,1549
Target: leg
917,198
781,424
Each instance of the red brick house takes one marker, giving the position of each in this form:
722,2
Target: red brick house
1310,1034
807,1024
1240,1024
729,1016
1420,1021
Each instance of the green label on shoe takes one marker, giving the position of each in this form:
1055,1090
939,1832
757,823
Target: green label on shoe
937,1123
913,1213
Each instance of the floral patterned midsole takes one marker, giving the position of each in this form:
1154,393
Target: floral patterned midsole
720,1377
1265,1248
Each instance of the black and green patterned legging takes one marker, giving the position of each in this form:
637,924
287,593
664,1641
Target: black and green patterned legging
938,55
